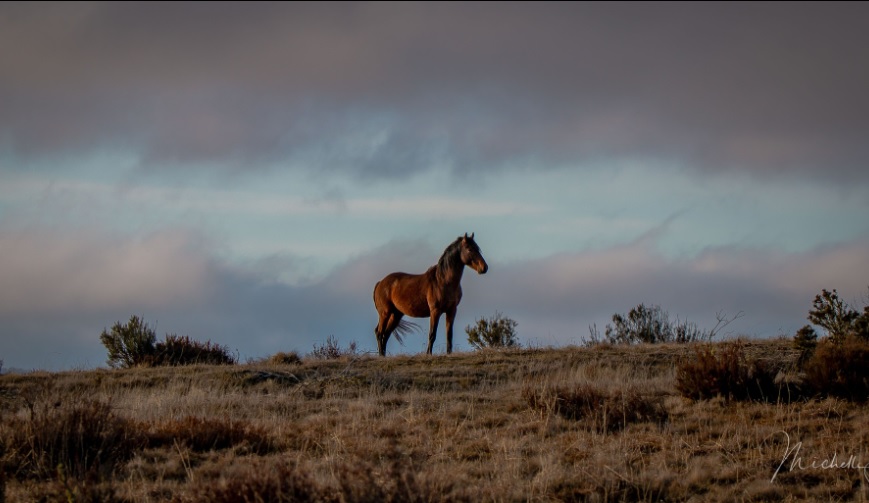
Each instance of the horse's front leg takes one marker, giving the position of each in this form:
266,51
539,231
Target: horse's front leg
451,316
433,330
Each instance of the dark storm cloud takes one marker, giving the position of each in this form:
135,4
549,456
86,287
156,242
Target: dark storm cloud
383,89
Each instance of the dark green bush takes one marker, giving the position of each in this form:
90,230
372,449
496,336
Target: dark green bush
495,332
130,344
837,317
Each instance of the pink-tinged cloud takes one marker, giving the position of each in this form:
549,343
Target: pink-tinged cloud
60,291
563,294
69,272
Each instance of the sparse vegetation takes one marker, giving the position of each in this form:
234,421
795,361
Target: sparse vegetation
133,345
652,325
605,423
612,422
724,370
497,331
331,350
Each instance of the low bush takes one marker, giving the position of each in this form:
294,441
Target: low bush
725,371
133,345
839,368
176,350
495,332
331,350
652,325
282,358
129,345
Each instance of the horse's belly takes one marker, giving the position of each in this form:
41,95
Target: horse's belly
410,298
414,309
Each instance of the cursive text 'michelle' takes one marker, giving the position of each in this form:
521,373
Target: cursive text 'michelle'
834,462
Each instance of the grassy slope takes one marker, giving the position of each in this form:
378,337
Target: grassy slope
463,427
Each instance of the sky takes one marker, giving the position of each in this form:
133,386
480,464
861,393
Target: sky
245,173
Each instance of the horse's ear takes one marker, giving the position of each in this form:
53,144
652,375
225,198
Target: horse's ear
472,235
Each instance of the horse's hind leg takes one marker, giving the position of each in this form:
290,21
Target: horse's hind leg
381,333
388,323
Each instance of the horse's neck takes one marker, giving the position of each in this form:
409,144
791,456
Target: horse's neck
451,276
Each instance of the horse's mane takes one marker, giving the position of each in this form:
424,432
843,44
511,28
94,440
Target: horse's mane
451,257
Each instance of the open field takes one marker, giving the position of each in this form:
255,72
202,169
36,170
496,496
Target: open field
590,424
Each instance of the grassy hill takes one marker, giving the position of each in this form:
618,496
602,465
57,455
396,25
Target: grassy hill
595,424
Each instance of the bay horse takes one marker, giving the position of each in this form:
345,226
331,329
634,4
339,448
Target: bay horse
428,295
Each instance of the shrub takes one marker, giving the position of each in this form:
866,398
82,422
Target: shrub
495,332
653,325
839,368
129,345
726,371
602,411
332,351
175,350
805,340
133,344
282,358
837,317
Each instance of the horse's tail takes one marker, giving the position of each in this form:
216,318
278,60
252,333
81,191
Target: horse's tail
404,328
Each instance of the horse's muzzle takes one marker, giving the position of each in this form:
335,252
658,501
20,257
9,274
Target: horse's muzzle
482,268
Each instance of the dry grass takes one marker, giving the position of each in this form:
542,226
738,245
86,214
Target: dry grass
572,424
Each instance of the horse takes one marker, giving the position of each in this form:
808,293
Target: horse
428,295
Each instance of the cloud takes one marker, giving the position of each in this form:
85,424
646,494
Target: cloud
386,91
60,291
563,294
49,272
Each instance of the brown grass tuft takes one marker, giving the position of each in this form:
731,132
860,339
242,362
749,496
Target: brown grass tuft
602,411
726,371
282,358
76,439
206,434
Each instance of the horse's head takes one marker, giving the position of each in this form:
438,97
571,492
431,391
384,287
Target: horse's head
471,255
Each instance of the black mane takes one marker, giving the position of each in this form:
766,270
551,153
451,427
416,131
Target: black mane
452,257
